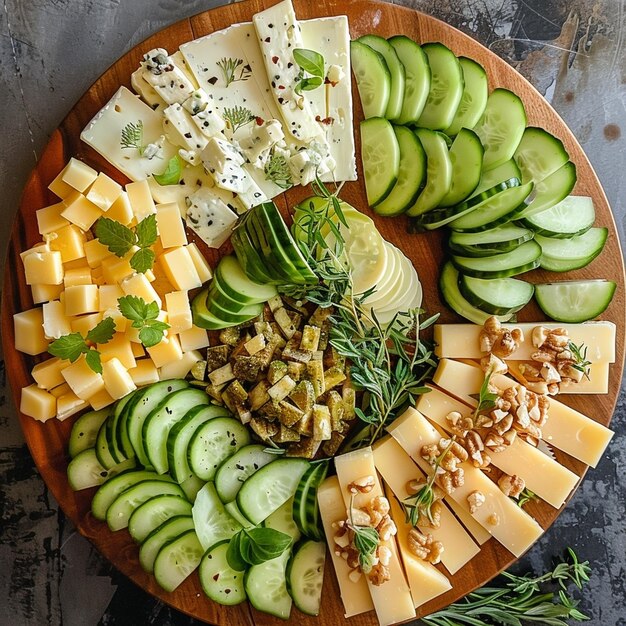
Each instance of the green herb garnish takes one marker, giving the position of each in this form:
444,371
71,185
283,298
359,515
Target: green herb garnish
255,546
486,399
172,173
277,170
143,316
230,66
580,357
237,116
366,541
132,136
526,496
311,65
71,346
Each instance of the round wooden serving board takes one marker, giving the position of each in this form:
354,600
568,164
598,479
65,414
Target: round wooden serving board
47,442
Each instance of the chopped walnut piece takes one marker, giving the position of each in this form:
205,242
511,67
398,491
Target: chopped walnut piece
492,363
539,387
362,485
424,547
475,500
511,485
499,341
379,574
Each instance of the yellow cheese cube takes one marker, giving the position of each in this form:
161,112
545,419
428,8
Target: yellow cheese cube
77,276
116,269
180,368
75,264
171,228
140,199
138,285
81,299
117,380
178,311
60,188
78,174
104,192
96,252
55,322
144,373
193,339
28,329
179,268
137,349
83,381
120,210
45,293
101,399
109,295
166,351
38,247
38,403
61,390
69,404
120,348
70,242
85,323
80,211
43,267
200,263
47,374
50,219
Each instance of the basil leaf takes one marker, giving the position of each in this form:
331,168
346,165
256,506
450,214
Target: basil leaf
308,84
267,543
172,173
310,61
233,554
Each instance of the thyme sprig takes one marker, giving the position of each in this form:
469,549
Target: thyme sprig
234,70
580,358
521,599
237,116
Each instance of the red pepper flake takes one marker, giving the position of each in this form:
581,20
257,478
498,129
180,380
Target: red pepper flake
281,86
327,120
274,60
259,121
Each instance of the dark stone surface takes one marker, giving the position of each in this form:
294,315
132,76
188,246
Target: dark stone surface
52,50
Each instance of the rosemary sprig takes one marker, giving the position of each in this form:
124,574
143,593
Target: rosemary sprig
526,496
366,541
580,357
229,67
132,136
522,599
237,116
277,170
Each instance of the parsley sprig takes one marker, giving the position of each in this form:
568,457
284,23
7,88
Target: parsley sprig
144,317
119,239
71,346
580,357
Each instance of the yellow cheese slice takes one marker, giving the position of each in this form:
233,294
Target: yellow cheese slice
473,527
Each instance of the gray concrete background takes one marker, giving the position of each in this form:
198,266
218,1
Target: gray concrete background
52,50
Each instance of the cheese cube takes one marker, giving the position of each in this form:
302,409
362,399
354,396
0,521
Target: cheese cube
69,404
83,381
77,276
70,242
47,374
200,263
166,351
137,349
180,269
78,174
138,285
75,264
170,225
104,192
117,381
178,311
80,211
100,400
144,373
85,323
55,321
50,219
116,269
38,403
180,368
95,252
81,299
193,339
109,295
140,199
120,210
60,188
61,390
43,267
29,333
120,348
45,293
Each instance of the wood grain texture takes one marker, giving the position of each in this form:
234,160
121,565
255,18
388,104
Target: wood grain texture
47,441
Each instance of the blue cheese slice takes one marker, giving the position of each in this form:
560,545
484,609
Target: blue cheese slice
168,80
209,217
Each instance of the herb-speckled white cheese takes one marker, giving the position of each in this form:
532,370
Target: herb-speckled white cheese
209,217
168,80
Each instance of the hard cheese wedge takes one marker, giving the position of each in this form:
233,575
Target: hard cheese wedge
397,470
542,474
514,529
566,429
392,600
354,594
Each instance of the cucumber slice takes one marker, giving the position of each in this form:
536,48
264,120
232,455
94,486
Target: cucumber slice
177,559
539,154
446,87
474,98
564,255
306,508
85,471
417,77
266,586
489,242
522,259
501,127
492,177
270,487
233,510
110,434
305,576
373,79
212,522
232,318
214,442
438,171
500,296
202,317
411,174
234,283
191,486
103,450
282,519
571,217
120,419
218,295
85,431
466,156
248,257
166,532
499,209
396,70
551,190
575,301
220,582
234,471
153,512
380,154
449,285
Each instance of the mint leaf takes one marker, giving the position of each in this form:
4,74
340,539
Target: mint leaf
133,308
119,239
142,260
150,336
143,316
152,312
146,231
172,173
68,347
310,61
93,360
103,331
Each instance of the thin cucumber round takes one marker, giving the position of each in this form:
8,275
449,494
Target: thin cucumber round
305,576
266,587
417,77
282,519
396,69
85,430
233,318
373,79
191,486
213,523
411,174
219,581
446,87
110,432
233,510
466,155
380,154
177,559
501,126
564,255
500,296
551,190
571,217
489,178
234,282
522,259
474,98
85,471
539,154
575,301
489,242
166,532
153,512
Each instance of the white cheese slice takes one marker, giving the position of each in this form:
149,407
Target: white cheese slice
170,81
181,130
146,91
209,217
